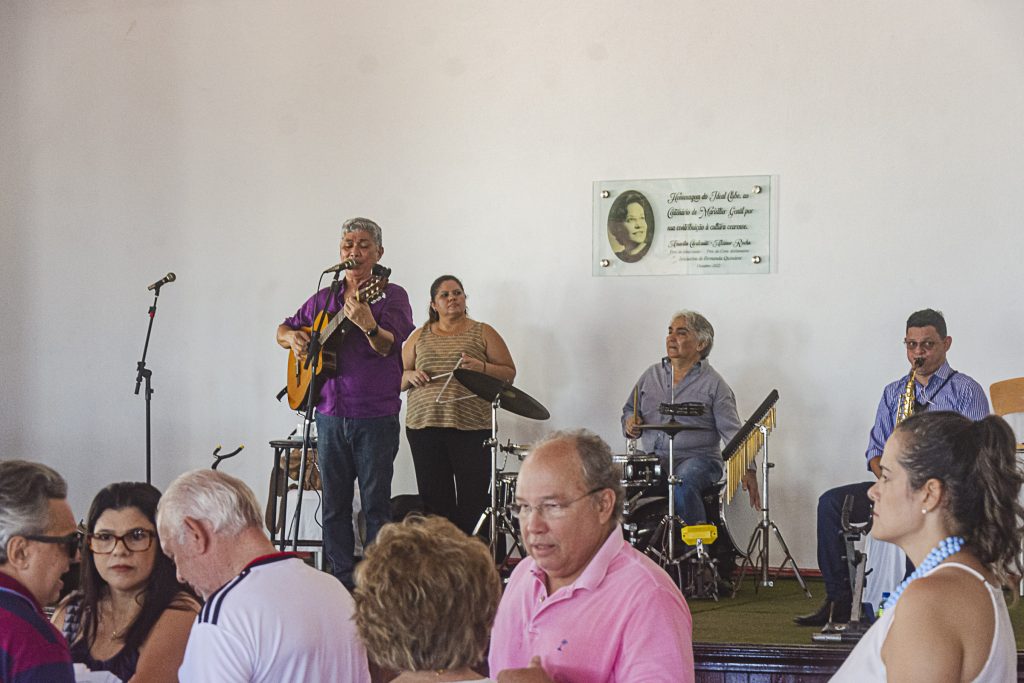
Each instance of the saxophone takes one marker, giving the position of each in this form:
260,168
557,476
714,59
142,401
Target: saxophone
907,399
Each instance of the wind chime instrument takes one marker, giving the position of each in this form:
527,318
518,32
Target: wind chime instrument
740,452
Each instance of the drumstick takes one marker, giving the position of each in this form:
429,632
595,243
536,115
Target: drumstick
636,398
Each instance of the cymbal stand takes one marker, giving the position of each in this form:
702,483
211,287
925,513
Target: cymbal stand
758,544
662,547
498,520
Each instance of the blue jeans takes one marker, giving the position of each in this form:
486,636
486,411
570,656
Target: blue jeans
350,450
697,474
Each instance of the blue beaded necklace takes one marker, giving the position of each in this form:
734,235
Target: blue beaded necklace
947,547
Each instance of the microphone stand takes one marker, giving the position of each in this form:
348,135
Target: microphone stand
145,374
312,357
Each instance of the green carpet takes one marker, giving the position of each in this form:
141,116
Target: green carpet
766,617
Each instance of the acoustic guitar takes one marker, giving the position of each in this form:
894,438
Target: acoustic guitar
334,329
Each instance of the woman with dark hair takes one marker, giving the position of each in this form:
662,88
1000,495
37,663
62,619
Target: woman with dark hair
131,617
445,423
948,495
631,226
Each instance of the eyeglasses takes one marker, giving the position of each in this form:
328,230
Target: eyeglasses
548,510
136,541
927,344
72,542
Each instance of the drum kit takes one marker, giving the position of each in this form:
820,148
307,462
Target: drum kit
649,522
500,394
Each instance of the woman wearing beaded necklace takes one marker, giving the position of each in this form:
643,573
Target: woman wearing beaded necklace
132,617
948,497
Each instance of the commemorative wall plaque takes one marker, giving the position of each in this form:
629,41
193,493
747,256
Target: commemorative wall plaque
685,226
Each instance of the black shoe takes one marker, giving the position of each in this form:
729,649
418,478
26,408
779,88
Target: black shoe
829,612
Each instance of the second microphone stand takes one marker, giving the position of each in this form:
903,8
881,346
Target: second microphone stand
312,359
146,375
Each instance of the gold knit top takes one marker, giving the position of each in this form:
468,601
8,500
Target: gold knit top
458,408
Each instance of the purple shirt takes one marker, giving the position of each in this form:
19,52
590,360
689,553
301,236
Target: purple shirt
622,620
31,649
366,383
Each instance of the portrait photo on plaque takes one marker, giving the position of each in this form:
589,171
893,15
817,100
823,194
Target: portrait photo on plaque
630,226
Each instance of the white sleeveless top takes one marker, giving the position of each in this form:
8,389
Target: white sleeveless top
865,661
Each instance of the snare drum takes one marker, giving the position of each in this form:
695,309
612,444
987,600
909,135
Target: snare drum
638,470
506,487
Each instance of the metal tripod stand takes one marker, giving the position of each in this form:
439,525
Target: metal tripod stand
498,519
662,545
500,394
856,563
758,545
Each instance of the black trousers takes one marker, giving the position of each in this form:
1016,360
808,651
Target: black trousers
453,472
831,546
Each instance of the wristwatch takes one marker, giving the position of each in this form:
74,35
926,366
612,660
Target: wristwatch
374,332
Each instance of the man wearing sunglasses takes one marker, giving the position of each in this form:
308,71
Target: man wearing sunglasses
585,605
936,387
38,541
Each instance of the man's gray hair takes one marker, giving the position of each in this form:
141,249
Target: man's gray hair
26,489
354,224
226,503
700,326
599,471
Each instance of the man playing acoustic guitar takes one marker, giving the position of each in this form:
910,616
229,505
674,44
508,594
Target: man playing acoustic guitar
358,401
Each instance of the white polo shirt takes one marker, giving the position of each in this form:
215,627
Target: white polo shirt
278,620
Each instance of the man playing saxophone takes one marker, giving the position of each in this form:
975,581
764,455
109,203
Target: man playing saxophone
929,385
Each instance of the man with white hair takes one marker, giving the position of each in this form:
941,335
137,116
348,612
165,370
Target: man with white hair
38,540
685,375
268,615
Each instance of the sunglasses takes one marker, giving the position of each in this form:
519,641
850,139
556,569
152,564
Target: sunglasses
72,542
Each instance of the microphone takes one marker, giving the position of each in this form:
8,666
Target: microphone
170,277
344,265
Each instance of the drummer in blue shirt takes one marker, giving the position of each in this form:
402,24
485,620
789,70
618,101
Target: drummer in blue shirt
684,375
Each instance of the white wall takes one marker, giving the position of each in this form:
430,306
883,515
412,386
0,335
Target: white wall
226,141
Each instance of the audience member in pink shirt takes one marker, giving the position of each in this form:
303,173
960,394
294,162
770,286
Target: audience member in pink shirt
585,606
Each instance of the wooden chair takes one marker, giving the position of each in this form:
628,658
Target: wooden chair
1008,398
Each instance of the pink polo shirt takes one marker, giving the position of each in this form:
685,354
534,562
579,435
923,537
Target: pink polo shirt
622,620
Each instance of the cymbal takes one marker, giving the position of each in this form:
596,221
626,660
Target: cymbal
670,427
513,400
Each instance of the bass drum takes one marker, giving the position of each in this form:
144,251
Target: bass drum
739,519
641,524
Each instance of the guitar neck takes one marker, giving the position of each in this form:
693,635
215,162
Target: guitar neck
332,325
369,292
